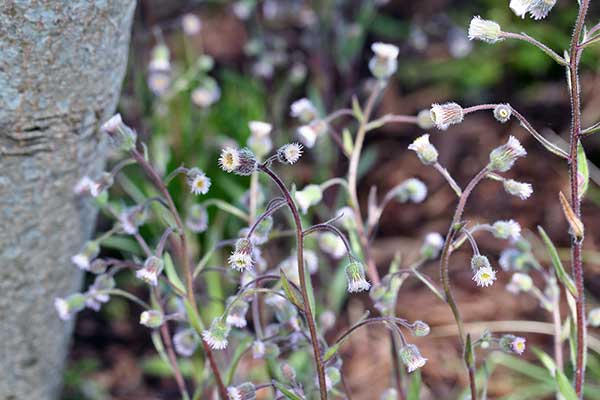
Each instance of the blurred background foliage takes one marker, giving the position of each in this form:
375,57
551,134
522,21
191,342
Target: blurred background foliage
262,55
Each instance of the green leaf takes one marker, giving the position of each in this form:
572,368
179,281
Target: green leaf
414,389
564,386
558,267
172,273
429,285
583,171
357,109
331,352
289,290
193,316
286,392
237,356
546,360
347,141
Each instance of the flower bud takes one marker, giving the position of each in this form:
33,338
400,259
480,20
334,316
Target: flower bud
87,186
424,120
153,266
191,24
288,372
484,30
237,313
159,70
503,112
411,357
479,261
331,244
216,336
503,158
245,391
412,190
432,245
355,275
84,258
258,349
304,110
272,350
332,377
131,218
520,283
519,189
97,293
309,134
198,182
262,231
206,94
240,162
512,344
185,342
98,266
420,328
309,196
507,230
444,115
241,258
260,140
69,306
197,218
594,317
426,152
385,62
289,153
152,318
122,136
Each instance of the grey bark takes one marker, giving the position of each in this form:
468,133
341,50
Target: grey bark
62,63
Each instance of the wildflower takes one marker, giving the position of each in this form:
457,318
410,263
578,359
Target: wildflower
289,153
420,328
260,141
198,182
503,112
389,394
519,189
258,349
191,24
540,8
185,342
197,218
520,7
84,258
131,218
424,120
411,357
412,190
260,128
98,292
159,70
594,317
237,313
152,318
512,344
332,377
86,186
216,336
426,152
432,245
444,115
502,158
206,94
332,244
122,136
355,275
484,276
309,134
484,30
98,266
240,162
153,266
245,391
241,257
309,196
520,283
507,230
478,261
385,62
67,307
304,110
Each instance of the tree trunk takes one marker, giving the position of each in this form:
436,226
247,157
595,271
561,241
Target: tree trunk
61,68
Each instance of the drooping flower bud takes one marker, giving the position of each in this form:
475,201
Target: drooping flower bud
385,62
122,136
132,218
197,218
289,153
98,292
502,158
197,180
484,30
519,189
69,306
98,266
432,245
420,328
503,112
237,313
444,115
412,190
153,266
479,261
304,110
87,186
310,196
507,230
241,258
216,336
426,152
186,342
84,258
512,344
152,318
355,275
411,357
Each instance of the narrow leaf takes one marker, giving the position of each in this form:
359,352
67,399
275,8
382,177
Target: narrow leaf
573,220
193,316
172,273
558,267
415,386
357,109
583,172
289,291
347,141
564,386
286,392
429,285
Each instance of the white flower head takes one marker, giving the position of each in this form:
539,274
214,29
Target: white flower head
258,349
412,190
484,276
245,391
330,243
131,218
484,30
86,186
426,152
304,110
503,112
152,318
241,257
541,8
432,245
385,62
520,282
513,344
594,317
444,115
411,357
84,258
206,94
185,342
198,182
502,158
69,306
507,230
241,162
519,189
97,293
113,125
260,128
310,196
308,134
153,266
191,24
355,275
229,160
216,336
520,7
289,153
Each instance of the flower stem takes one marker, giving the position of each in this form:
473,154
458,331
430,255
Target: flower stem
301,273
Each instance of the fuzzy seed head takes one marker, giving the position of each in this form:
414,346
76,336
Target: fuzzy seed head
355,275
519,189
289,153
444,115
484,30
426,152
411,357
484,276
507,230
503,158
216,336
503,112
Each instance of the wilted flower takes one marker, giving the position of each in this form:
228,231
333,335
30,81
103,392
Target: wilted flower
216,336
385,62
122,136
241,257
432,245
412,190
309,134
289,153
198,182
153,266
332,244
86,186
420,328
206,94
245,391
512,344
355,275
502,158
594,317
185,342
519,283
426,152
484,30
444,115
240,162
503,112
519,189
131,218
197,218
304,110
191,24
152,318
237,313
69,306
84,258
309,196
411,357
507,230
484,276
